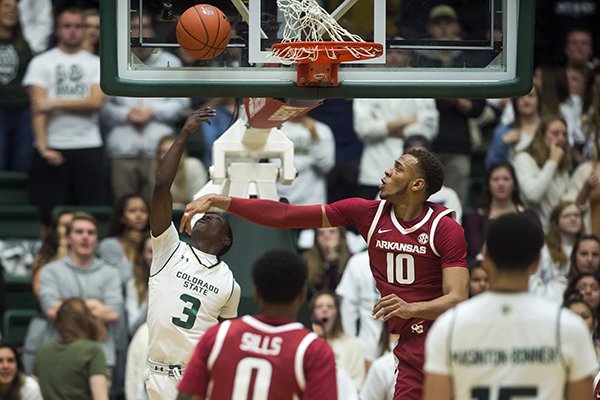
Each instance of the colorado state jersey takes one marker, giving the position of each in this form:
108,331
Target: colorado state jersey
406,258
188,291
261,358
505,345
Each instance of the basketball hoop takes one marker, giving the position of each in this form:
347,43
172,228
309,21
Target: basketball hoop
318,61
317,43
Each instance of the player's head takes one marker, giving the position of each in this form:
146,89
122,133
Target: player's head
431,169
212,234
279,277
513,242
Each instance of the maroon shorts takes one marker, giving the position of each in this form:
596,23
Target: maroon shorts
410,357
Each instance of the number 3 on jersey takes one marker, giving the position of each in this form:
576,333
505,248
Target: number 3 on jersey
189,311
400,268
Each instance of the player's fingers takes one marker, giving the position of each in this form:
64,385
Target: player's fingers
183,223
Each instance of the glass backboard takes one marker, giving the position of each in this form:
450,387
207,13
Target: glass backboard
477,49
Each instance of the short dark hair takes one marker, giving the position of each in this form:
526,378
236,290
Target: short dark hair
513,241
431,168
279,276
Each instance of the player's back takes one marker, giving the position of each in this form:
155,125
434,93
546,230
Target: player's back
249,354
503,344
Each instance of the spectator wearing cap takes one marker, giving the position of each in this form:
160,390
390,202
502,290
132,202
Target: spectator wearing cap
442,25
445,196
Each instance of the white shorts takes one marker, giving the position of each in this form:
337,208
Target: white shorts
161,386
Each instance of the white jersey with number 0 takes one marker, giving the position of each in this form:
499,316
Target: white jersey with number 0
188,291
504,346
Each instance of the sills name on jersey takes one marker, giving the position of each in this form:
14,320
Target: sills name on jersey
265,345
526,355
403,247
196,284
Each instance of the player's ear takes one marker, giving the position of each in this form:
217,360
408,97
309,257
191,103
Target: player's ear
534,266
419,184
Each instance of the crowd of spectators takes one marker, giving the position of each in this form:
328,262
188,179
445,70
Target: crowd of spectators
539,155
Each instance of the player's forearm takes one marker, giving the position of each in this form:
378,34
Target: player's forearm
170,162
276,214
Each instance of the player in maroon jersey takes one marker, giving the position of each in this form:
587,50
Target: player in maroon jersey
267,356
417,251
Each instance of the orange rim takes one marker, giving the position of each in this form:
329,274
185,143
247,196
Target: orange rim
327,52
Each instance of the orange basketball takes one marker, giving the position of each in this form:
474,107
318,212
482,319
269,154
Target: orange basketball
203,31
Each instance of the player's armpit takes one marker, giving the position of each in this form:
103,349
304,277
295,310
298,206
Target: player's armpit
437,387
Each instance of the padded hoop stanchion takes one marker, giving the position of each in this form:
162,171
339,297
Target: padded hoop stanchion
318,61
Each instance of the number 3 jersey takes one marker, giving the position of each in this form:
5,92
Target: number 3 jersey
261,358
406,257
188,291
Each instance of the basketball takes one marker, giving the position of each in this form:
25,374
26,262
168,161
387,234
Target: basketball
203,31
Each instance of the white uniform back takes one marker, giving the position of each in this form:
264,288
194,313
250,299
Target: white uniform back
498,345
188,291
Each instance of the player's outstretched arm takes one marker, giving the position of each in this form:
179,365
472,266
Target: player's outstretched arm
162,201
262,212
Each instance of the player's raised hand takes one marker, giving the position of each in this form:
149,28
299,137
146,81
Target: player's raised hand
392,306
197,116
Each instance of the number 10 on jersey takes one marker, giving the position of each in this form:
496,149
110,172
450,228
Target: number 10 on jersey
400,268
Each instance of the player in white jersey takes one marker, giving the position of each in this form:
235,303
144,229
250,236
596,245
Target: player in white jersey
507,343
190,288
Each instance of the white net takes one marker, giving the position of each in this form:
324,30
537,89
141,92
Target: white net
307,21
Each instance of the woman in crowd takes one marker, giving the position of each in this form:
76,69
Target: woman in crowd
14,383
585,256
136,293
587,285
584,188
327,259
191,174
543,168
54,247
349,355
581,308
501,195
129,225
565,228
516,136
73,367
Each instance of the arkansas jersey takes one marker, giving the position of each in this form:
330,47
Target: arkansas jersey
406,258
255,358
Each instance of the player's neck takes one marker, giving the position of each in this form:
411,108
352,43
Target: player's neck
408,211
510,282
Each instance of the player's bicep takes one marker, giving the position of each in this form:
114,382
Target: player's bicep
455,280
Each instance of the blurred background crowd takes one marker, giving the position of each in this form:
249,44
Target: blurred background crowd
76,177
